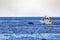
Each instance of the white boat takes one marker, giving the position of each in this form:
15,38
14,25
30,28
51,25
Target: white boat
46,20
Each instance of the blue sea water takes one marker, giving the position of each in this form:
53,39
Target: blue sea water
19,28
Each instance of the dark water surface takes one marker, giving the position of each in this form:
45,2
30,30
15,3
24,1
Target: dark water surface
29,28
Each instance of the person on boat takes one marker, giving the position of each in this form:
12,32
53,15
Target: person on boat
46,20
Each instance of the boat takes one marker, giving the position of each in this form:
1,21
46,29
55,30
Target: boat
46,20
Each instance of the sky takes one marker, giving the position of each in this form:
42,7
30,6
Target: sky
29,8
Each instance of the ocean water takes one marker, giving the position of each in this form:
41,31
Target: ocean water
19,28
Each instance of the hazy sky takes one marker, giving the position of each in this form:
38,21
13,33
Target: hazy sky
19,8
